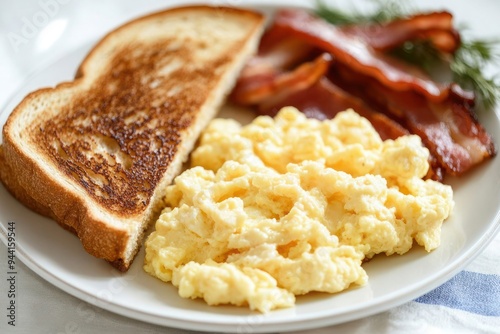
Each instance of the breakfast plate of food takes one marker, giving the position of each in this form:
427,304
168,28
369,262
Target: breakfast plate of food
246,167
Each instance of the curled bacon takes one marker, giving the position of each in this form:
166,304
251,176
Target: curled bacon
324,99
277,55
358,54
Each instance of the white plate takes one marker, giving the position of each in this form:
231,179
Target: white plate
57,256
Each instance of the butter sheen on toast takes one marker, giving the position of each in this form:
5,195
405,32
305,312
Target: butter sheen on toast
95,154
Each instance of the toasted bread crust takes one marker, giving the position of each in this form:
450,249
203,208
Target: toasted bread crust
67,210
108,149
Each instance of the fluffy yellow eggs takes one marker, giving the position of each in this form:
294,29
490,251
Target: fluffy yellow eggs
289,205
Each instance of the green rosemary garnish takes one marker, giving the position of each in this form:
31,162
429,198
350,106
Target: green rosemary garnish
466,65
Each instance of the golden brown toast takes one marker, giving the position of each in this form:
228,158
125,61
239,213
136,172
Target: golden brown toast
95,154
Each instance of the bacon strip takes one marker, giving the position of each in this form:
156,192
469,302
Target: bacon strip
436,27
277,55
288,71
257,87
358,54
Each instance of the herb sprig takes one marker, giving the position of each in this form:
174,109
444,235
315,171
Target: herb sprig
469,60
466,65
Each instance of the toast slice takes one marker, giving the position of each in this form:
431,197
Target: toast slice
96,154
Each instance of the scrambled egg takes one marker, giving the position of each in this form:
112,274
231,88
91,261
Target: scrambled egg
289,205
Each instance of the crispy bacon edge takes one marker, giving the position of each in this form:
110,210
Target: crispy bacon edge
446,122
